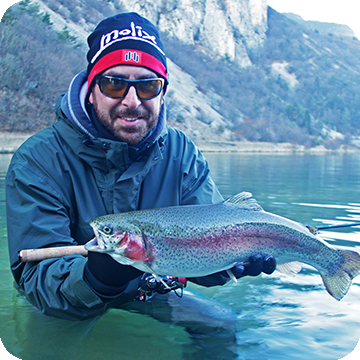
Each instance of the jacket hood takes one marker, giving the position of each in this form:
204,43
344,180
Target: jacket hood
74,106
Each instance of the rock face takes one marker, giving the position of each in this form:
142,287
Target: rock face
224,29
239,28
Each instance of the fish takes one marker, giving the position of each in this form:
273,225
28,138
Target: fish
199,240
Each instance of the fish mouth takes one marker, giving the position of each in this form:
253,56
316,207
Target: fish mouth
104,243
99,243
93,245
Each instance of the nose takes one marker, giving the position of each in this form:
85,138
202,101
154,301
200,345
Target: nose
131,100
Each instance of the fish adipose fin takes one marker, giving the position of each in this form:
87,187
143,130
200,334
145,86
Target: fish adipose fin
244,200
338,282
314,230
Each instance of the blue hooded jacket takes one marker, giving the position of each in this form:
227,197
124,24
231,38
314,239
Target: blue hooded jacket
71,172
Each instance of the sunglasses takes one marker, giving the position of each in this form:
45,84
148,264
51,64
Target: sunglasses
118,88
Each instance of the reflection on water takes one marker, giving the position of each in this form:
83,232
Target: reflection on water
274,317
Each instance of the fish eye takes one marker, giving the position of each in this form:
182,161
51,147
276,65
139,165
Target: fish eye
107,230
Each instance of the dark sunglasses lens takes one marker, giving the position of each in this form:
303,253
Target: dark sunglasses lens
149,88
113,87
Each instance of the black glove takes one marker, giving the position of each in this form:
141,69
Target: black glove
253,267
106,276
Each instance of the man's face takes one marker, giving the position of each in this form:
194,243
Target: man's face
129,119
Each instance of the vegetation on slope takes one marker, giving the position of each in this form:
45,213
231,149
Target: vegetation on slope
261,104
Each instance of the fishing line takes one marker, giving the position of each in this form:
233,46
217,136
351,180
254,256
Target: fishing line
336,226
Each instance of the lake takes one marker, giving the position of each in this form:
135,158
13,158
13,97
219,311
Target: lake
266,317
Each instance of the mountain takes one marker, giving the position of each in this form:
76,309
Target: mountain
238,69
322,27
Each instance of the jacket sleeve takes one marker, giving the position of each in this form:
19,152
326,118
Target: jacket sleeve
37,217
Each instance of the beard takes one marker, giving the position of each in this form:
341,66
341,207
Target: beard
131,132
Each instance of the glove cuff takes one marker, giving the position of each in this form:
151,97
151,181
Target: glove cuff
100,288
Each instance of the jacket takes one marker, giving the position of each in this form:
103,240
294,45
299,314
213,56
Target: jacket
64,176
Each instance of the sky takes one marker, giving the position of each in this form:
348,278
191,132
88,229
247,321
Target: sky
337,11
5,4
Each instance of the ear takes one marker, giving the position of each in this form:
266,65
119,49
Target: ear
91,98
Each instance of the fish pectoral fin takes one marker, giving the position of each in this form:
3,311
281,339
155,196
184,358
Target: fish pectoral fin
121,259
157,277
289,268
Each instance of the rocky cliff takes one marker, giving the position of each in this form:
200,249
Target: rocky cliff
223,29
240,25
228,29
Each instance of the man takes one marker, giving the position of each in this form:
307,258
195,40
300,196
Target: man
109,152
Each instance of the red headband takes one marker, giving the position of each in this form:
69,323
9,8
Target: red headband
127,57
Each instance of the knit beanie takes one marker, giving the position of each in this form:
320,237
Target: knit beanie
125,39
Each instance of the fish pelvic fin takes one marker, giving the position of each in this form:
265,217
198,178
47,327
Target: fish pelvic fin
289,268
245,201
232,276
337,284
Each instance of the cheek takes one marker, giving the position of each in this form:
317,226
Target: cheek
154,106
103,106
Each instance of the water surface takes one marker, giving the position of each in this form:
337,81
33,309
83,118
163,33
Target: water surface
267,317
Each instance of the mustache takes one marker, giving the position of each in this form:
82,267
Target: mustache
131,113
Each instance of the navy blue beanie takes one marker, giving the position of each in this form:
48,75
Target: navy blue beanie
125,39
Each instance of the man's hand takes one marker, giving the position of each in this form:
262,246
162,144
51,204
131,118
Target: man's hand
107,276
253,267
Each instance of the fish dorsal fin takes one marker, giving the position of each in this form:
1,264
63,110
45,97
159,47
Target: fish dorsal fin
243,200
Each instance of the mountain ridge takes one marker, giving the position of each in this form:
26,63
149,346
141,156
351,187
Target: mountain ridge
279,81
322,27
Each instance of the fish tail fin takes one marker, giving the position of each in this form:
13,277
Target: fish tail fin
338,283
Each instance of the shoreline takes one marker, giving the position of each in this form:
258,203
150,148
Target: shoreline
270,148
10,142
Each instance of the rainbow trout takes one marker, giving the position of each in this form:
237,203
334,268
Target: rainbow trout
198,240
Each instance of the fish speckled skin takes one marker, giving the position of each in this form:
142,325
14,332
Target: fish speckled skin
198,240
